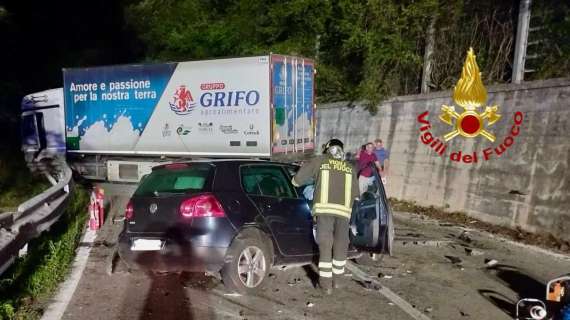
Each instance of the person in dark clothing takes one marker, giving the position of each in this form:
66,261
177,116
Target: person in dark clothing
336,188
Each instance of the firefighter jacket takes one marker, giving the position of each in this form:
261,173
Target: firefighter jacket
336,185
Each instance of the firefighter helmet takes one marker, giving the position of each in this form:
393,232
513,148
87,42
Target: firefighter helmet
335,148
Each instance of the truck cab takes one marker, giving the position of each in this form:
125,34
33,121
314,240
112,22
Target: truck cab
43,126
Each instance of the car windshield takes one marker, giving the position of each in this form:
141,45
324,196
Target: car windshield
188,178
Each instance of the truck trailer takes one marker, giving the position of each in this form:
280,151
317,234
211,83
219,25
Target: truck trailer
115,123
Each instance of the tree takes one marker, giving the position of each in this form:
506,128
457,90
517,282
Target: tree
365,49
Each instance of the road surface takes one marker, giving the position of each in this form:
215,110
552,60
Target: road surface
438,271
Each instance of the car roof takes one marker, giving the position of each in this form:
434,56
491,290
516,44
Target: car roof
220,161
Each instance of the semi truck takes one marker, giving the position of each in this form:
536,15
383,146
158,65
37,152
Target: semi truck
115,123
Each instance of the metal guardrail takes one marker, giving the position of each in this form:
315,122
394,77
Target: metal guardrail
32,218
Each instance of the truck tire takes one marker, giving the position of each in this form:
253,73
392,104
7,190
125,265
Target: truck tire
247,263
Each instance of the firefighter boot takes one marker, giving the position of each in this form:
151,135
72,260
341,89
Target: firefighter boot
339,281
326,285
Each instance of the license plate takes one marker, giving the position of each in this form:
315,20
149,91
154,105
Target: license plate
146,245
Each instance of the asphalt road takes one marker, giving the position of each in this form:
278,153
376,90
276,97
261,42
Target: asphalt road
432,275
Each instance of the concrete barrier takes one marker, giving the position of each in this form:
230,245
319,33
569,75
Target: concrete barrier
528,185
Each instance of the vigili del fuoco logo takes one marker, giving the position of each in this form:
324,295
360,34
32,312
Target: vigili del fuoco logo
469,94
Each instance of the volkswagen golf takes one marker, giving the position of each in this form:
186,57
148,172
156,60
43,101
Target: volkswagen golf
236,218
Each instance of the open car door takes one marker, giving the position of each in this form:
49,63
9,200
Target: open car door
371,223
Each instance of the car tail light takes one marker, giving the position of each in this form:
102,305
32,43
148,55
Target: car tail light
204,205
129,211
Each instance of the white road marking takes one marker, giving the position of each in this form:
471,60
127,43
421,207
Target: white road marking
386,292
56,309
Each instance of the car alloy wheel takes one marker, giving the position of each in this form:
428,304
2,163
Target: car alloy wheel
251,266
247,262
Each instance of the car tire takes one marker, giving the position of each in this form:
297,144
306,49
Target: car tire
247,263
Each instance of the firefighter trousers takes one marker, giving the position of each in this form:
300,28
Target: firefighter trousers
332,238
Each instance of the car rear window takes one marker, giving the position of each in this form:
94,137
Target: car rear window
178,180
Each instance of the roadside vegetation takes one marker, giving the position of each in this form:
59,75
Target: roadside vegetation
544,240
365,50
35,277
17,184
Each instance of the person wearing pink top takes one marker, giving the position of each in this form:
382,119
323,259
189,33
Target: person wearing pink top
366,158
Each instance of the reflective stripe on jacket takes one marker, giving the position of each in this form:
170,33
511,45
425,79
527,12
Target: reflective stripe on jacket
336,185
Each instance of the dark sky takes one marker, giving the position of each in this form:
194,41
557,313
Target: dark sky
41,37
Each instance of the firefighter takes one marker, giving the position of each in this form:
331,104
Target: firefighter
336,187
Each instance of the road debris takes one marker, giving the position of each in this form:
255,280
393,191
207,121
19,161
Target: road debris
294,281
428,309
310,304
369,285
465,237
464,314
491,262
473,252
427,243
454,260
545,240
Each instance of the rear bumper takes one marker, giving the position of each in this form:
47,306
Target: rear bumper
174,255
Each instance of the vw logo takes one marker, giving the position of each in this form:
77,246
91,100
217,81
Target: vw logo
153,207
